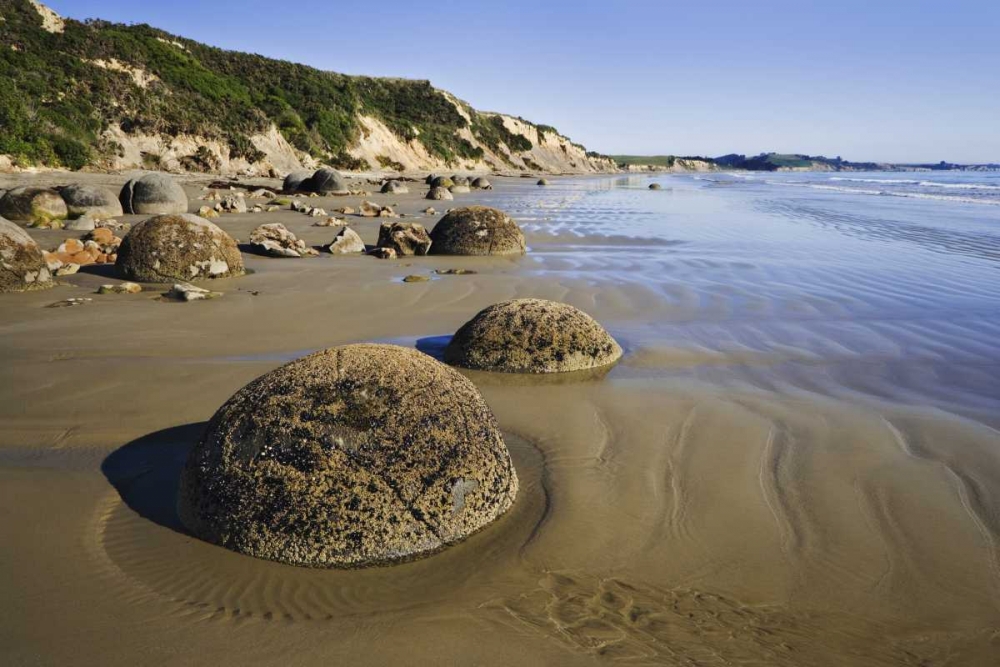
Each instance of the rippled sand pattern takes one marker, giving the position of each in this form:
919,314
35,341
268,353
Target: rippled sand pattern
797,462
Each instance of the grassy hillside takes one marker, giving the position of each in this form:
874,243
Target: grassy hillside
55,102
666,161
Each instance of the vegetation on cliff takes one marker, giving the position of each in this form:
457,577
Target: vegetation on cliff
59,92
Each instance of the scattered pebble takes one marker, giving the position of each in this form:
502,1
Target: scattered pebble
188,292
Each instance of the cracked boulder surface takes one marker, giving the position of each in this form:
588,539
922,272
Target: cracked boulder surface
477,230
532,336
178,247
22,266
153,194
353,456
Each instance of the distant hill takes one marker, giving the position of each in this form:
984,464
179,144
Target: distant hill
74,94
777,162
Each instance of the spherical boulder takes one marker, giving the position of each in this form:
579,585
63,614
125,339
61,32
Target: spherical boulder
36,206
481,183
459,189
177,247
293,181
543,181
326,182
655,186
91,200
394,188
532,336
22,265
353,456
460,180
153,194
477,230
442,182
439,194
430,179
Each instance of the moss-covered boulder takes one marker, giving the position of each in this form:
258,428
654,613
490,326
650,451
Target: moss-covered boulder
543,181
38,207
91,200
293,181
354,456
439,194
532,336
477,230
442,182
22,266
177,247
153,194
326,182
394,188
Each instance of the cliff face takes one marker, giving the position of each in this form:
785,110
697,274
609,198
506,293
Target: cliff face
104,95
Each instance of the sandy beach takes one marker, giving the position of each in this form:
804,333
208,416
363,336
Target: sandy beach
796,462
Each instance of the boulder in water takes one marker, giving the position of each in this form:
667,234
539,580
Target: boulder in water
477,230
442,182
532,336
481,183
153,194
406,238
439,194
394,188
326,182
177,247
354,456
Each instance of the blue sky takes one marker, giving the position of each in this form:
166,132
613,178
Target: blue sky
901,81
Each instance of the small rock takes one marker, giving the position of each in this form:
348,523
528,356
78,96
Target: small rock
72,301
120,288
101,236
84,223
370,210
415,279
67,269
383,253
346,210
316,213
188,292
346,242
208,212
234,204
330,222
454,272
275,240
261,193
296,205
429,211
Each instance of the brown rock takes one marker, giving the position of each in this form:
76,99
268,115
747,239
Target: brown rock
406,238
354,456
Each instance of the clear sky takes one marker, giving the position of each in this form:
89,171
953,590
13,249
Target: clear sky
909,80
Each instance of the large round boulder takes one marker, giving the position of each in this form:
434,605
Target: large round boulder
459,189
177,247
326,182
394,188
532,336
33,205
439,194
153,194
481,183
294,181
460,180
354,456
91,200
442,182
477,230
22,266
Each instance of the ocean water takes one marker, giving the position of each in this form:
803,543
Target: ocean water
873,286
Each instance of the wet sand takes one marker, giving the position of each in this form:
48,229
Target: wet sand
777,473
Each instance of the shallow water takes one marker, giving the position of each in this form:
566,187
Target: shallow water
797,462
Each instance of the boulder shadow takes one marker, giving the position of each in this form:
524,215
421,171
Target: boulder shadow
146,472
434,346
102,270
